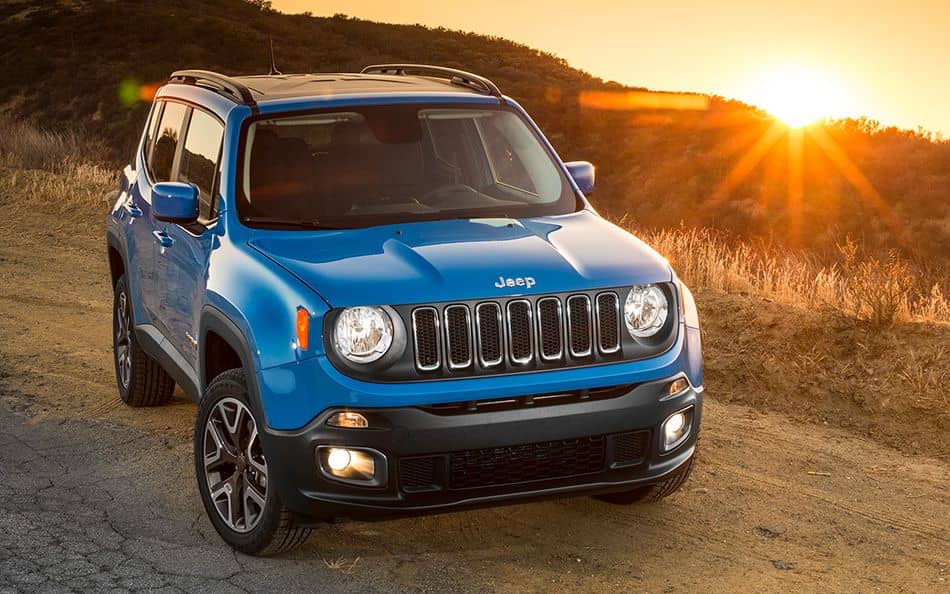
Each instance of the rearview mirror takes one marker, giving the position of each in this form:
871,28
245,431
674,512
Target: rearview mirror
583,174
175,202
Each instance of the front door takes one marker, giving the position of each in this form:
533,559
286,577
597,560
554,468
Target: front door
183,253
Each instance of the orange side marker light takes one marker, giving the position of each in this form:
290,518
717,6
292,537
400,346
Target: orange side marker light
303,328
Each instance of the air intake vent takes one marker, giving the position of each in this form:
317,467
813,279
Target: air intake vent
579,325
525,463
458,337
488,323
520,331
608,322
425,330
550,335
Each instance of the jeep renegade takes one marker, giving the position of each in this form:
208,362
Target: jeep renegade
388,295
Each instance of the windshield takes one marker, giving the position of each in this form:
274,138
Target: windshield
397,163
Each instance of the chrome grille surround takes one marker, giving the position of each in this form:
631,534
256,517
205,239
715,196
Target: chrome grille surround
580,336
608,330
422,318
545,337
489,335
520,324
458,336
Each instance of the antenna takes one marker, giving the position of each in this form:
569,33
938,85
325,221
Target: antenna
273,61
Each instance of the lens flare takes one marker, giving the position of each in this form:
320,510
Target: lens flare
798,95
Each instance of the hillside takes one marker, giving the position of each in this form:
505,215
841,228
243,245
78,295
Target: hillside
76,65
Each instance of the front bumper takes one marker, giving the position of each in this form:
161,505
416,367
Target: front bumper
590,447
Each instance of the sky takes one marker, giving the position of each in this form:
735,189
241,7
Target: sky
887,60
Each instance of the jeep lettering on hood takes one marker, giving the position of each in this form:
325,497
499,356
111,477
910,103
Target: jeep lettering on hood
521,281
451,260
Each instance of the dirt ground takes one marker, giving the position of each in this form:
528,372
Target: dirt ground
94,495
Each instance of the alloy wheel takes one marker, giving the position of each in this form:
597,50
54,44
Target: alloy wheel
123,340
235,469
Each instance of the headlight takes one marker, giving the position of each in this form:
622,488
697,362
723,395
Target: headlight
363,334
645,310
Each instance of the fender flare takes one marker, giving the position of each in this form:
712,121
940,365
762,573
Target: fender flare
215,320
114,241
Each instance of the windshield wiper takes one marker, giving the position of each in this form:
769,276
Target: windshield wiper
299,224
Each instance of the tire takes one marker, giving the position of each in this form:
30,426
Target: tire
652,493
141,380
232,473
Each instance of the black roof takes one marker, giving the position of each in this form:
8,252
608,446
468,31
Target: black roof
384,78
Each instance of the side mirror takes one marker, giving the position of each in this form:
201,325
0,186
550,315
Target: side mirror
583,174
175,202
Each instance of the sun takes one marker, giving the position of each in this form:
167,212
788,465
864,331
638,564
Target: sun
798,95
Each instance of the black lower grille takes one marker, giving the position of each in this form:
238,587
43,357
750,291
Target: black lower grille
524,463
630,449
418,475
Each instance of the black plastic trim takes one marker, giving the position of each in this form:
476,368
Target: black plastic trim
157,346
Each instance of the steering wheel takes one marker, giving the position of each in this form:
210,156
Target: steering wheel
447,195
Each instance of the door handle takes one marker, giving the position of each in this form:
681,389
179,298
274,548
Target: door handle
163,239
134,211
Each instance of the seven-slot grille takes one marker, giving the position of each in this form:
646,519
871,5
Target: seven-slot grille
518,332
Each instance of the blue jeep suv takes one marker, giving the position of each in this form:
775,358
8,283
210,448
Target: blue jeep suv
388,295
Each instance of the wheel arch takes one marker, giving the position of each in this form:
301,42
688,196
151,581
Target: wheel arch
220,341
116,255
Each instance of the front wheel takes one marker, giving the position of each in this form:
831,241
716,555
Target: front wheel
234,480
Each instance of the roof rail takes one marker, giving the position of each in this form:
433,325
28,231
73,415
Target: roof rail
458,77
221,83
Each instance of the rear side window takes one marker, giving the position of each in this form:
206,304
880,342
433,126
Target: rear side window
166,143
150,131
199,158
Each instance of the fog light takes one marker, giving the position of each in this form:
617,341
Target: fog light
678,385
358,466
350,420
676,428
338,459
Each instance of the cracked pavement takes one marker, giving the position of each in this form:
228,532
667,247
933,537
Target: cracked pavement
74,516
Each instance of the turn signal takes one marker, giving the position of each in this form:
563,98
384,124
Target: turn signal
678,385
303,328
350,420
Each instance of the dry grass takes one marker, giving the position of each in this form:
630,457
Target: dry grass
23,145
882,291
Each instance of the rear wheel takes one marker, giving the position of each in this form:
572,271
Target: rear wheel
235,482
652,492
141,380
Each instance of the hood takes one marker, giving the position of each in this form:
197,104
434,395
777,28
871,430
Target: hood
452,260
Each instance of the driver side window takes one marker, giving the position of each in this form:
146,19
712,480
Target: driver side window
199,160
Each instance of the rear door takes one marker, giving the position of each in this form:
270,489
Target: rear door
182,266
136,218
